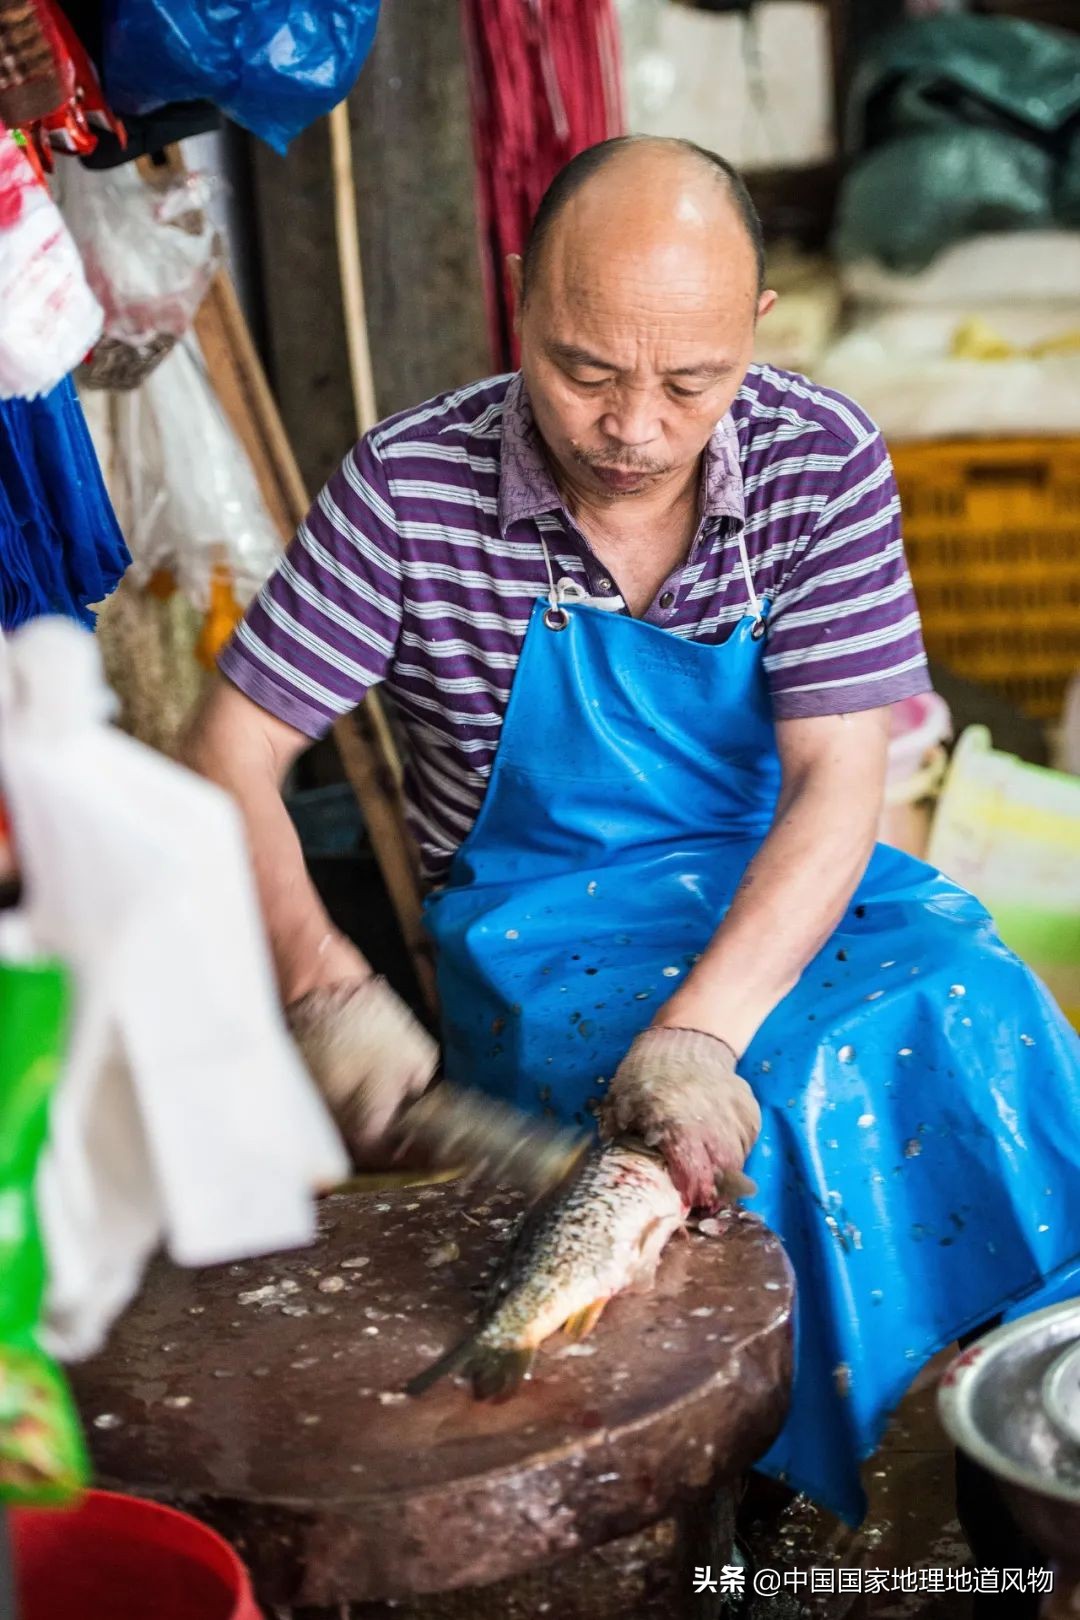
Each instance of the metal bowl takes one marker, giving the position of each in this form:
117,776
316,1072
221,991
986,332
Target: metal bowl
1061,1393
993,1403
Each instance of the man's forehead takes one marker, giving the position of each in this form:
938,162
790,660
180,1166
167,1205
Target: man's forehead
647,275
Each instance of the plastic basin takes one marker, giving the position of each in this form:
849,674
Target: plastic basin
114,1557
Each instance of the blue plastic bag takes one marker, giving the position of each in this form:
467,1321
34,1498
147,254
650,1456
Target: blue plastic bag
272,65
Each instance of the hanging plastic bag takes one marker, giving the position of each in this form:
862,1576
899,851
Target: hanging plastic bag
41,1452
49,318
149,253
188,497
274,66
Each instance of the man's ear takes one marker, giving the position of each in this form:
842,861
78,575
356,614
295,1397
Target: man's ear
515,269
766,302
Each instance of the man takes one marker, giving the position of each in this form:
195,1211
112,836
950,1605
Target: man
642,610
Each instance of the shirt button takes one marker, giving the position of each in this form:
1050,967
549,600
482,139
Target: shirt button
667,599
604,584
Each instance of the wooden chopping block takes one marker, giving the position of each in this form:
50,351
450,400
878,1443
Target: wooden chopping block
265,1397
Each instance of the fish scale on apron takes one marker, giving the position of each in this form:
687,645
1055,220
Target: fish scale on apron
920,1091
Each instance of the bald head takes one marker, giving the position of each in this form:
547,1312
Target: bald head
626,186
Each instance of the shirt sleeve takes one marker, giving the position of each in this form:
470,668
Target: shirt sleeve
325,626
845,634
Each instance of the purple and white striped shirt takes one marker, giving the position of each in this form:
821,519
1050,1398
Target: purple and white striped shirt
420,561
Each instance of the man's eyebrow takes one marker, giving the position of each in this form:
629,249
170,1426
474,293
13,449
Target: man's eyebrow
571,355
706,369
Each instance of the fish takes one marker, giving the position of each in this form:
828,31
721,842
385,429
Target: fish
601,1235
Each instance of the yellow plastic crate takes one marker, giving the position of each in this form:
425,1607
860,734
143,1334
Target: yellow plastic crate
992,529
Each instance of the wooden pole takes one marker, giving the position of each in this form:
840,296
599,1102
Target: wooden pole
350,269
365,741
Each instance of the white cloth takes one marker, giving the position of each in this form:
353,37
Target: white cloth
185,1114
895,357
897,363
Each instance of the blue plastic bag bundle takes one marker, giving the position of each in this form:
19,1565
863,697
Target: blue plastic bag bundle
272,65
61,550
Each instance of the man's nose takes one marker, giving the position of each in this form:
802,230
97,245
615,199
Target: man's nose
632,420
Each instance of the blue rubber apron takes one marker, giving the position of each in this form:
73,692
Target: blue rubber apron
920,1092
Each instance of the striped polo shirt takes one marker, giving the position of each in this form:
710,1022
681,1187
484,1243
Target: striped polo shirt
420,561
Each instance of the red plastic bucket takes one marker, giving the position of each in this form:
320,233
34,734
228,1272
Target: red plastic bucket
118,1558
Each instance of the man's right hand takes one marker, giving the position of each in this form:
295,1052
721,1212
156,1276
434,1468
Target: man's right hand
367,1054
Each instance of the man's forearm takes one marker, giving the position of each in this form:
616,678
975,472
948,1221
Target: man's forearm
791,898
249,763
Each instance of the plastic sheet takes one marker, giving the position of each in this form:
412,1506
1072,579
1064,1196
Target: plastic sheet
1004,268
1010,832
272,65
950,184
966,123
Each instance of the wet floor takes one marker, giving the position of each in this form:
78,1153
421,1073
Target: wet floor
911,1526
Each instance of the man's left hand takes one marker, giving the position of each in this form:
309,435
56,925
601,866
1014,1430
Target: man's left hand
677,1090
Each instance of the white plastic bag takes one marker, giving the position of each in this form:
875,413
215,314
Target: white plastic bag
185,492
150,254
185,1113
48,316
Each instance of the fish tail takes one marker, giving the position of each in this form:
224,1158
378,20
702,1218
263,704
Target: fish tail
496,1372
451,1362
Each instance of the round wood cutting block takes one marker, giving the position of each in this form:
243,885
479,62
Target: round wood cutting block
266,1397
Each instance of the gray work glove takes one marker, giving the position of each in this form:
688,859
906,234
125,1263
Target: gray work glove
677,1090
366,1052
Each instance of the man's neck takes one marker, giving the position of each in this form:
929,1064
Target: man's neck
640,540
673,507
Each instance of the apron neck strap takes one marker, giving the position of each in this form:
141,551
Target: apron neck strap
752,597
553,590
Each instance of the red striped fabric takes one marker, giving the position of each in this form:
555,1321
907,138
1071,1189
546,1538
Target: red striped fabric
546,82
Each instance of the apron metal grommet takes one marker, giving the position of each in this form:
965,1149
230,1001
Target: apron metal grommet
556,618
759,630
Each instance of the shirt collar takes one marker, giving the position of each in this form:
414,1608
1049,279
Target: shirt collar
527,488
